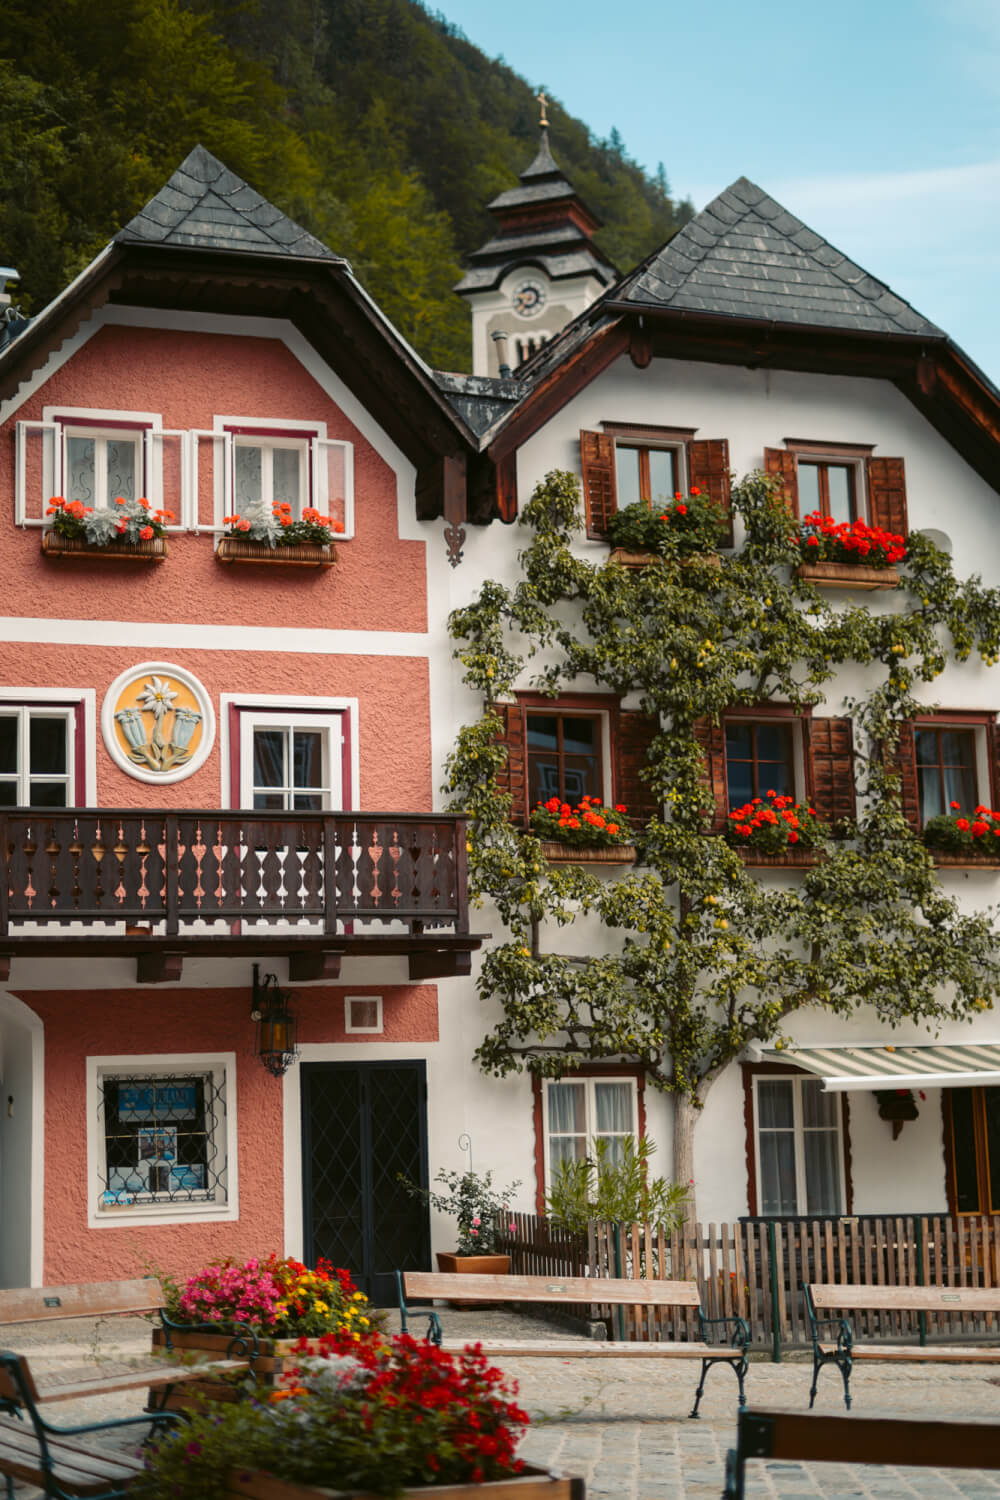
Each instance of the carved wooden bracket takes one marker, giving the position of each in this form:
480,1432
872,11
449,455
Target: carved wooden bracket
322,965
158,967
440,965
455,538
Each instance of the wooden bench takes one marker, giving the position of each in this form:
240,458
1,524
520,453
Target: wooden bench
834,1300
794,1436
555,1290
59,1459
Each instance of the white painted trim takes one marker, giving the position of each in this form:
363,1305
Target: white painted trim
291,1163
375,1030
329,725
22,1015
152,635
85,696
112,745
247,702
167,1213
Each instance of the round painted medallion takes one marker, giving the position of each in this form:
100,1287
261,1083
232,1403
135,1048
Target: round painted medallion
158,722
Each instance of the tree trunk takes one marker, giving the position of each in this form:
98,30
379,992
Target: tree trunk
686,1114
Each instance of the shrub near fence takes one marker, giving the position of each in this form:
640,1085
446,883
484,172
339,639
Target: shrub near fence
758,1269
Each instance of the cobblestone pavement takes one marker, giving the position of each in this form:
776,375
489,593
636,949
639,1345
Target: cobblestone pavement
624,1427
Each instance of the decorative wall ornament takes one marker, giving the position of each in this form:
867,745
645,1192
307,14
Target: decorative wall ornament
455,539
158,722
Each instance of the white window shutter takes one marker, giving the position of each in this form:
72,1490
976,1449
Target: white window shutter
165,464
333,482
39,471
222,473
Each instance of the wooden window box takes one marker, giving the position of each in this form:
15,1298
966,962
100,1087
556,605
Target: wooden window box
233,549
791,858
965,859
835,575
530,1484
156,550
612,854
626,559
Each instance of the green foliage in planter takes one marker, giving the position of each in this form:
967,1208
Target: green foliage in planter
616,1191
124,521
975,833
688,523
589,825
774,825
699,958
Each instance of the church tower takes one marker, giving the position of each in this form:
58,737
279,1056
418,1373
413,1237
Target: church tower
539,269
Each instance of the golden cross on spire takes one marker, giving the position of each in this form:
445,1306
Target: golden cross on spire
544,103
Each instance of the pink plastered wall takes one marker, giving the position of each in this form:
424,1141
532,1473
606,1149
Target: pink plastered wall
100,1023
379,581
393,714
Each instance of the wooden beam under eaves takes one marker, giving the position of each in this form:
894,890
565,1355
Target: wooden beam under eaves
323,963
158,967
440,964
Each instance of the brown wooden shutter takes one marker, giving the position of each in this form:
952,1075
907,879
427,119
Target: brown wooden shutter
600,491
712,739
513,776
635,733
507,488
904,762
887,494
830,745
708,468
785,465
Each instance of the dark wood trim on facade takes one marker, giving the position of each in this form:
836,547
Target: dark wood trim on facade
555,389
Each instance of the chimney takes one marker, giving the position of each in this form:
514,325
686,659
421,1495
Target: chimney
500,339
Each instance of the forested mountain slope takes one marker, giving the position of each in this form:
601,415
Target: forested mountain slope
375,124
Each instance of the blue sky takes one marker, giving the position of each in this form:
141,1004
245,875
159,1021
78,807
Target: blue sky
877,123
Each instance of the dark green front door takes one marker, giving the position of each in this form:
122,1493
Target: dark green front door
363,1124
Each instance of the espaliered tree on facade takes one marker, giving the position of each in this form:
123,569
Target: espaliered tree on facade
696,957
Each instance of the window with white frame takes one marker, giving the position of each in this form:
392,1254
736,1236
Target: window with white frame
362,1014
799,1146
37,755
101,464
94,457
161,1137
291,760
580,1111
282,463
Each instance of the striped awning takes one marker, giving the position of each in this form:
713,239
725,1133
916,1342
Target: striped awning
882,1066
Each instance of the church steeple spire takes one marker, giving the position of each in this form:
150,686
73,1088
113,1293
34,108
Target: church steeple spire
541,267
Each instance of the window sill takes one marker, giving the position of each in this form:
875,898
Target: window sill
790,858
54,545
633,560
232,549
835,575
963,859
613,854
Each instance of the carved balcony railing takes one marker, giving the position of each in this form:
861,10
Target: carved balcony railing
175,872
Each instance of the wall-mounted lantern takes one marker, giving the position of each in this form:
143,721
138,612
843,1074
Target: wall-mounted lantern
276,1023
897,1105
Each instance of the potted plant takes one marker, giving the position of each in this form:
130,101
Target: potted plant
270,534
280,1299
614,1190
588,832
475,1204
959,839
775,830
851,554
689,526
126,530
356,1417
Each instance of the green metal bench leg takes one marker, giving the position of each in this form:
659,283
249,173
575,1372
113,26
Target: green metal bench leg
739,1368
735,1474
845,1370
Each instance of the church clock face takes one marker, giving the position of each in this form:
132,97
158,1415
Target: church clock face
529,298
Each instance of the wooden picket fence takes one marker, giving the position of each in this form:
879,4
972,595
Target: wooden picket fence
758,1269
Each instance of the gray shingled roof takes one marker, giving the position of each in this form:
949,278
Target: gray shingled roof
746,256
204,206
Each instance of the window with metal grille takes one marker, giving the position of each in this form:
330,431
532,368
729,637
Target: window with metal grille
162,1139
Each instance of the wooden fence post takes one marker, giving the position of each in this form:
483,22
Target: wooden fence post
775,1318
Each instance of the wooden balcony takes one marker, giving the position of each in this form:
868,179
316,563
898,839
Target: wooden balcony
159,885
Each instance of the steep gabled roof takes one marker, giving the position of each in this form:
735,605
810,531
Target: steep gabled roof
746,256
204,206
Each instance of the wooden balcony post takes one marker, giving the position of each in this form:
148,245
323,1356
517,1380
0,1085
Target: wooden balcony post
460,835
172,860
329,873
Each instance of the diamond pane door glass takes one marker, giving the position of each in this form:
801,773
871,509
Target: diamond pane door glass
335,1159
120,456
399,1221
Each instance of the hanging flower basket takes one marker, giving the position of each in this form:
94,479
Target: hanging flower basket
233,549
157,549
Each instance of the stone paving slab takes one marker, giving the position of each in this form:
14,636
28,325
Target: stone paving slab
624,1427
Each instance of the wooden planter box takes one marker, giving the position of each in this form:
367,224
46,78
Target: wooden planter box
962,859
233,549
791,858
530,1484
626,559
269,1366
613,854
54,545
834,575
